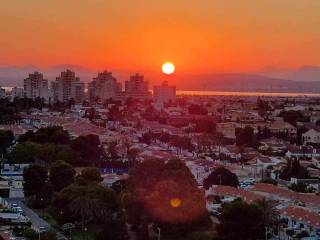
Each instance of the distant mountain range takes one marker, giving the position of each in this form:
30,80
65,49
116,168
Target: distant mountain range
269,79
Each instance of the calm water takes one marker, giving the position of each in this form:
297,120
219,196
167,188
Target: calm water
253,94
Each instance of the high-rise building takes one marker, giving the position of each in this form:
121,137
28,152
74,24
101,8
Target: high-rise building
66,87
137,86
35,86
17,92
104,86
164,92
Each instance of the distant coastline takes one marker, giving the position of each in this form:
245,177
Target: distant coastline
234,93
243,94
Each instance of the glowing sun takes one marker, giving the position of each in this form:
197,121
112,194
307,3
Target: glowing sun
168,68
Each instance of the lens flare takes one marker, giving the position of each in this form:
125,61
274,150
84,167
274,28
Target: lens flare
175,202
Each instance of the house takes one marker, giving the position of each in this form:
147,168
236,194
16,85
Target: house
275,145
228,129
302,152
232,152
311,136
301,219
282,127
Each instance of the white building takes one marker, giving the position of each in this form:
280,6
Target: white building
35,86
311,136
66,87
164,92
104,86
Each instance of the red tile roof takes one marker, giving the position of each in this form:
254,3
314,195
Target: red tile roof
302,215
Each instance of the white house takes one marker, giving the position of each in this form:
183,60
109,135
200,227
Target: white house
311,136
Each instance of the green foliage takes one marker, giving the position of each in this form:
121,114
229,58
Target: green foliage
221,176
242,221
86,202
91,174
245,137
30,234
29,152
88,147
34,178
61,175
294,170
25,153
160,193
114,230
54,134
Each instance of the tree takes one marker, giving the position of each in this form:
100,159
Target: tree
242,221
6,139
89,153
34,178
245,137
25,152
295,170
115,229
221,176
36,186
61,175
160,193
269,213
91,174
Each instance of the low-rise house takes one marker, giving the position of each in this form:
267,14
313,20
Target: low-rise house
232,151
311,136
274,145
282,127
302,152
301,219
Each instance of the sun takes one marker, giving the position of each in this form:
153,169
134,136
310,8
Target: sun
168,68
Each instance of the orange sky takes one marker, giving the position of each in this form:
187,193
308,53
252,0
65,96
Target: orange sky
138,35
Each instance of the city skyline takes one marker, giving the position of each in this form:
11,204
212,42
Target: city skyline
206,37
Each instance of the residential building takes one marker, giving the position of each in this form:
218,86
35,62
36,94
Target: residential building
66,87
2,92
17,92
311,136
104,86
164,92
137,87
35,86
301,219
282,127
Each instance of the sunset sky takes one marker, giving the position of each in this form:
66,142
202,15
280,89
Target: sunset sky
131,35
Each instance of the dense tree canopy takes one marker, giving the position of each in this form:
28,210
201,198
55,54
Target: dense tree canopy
54,134
61,175
242,221
221,176
88,147
91,174
163,189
